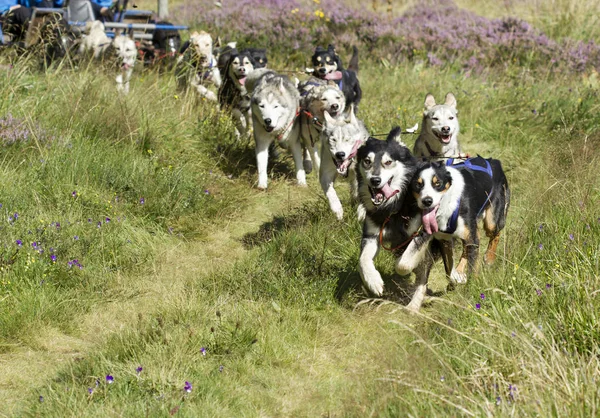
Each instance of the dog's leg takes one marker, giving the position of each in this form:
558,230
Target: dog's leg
492,232
327,177
316,150
459,274
473,254
447,256
422,276
296,149
306,160
262,160
238,121
369,248
414,254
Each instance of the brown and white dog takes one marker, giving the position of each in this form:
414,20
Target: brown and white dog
197,66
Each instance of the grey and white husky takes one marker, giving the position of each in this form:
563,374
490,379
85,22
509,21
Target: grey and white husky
438,139
275,103
341,138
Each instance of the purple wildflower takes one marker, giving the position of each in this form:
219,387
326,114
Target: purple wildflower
16,216
53,258
541,228
498,400
187,387
109,379
19,242
221,367
99,224
76,263
139,369
76,237
571,237
539,292
74,194
482,296
107,220
548,285
478,306
442,379
41,399
203,351
90,390
89,220
206,191
142,200
540,246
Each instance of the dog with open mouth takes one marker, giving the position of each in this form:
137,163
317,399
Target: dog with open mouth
341,137
327,65
233,94
384,172
438,139
452,199
317,97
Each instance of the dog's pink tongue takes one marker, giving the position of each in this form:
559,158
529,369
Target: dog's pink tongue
388,191
242,80
429,221
336,75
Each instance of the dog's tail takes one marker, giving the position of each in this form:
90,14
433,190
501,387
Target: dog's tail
353,65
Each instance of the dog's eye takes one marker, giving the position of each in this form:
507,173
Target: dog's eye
367,163
451,118
435,118
388,163
338,98
276,106
262,106
436,184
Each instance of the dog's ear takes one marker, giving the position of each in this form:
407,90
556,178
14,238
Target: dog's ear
281,86
394,136
429,101
450,100
353,120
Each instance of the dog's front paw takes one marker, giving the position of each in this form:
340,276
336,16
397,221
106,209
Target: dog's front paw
457,277
414,306
302,183
262,186
338,210
373,283
361,212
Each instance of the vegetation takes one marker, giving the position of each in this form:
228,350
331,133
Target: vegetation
141,273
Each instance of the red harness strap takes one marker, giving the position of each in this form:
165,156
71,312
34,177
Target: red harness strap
280,136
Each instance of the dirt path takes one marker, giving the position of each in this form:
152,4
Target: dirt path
26,369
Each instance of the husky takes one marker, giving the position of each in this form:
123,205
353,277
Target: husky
384,172
452,198
275,109
197,66
121,50
126,53
328,66
438,139
233,93
340,140
94,39
317,97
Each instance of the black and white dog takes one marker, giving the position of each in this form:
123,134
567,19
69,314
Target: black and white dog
233,93
384,172
452,198
259,55
328,66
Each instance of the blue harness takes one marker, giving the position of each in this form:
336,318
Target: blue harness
453,221
340,83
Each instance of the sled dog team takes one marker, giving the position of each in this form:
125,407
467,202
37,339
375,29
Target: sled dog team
412,203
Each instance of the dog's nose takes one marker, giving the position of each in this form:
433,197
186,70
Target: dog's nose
268,122
322,70
427,201
445,129
335,106
375,181
242,70
340,155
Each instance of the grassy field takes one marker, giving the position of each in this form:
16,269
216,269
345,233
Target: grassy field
135,246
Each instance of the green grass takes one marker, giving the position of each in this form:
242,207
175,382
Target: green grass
267,282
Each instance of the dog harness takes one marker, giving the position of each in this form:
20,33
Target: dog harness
208,73
310,83
453,221
280,136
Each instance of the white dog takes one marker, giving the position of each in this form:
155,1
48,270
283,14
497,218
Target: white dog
438,139
340,141
126,53
275,110
197,66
